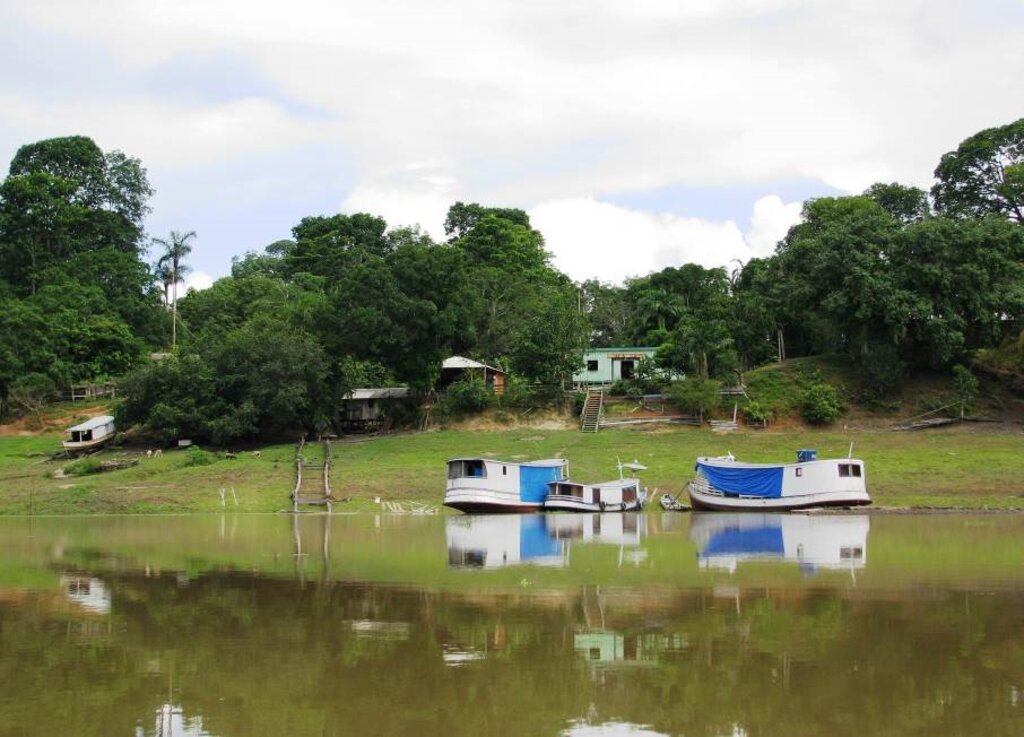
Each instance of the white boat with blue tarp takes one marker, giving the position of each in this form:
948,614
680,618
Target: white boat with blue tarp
725,484
485,485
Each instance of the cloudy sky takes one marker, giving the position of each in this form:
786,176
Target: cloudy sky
637,133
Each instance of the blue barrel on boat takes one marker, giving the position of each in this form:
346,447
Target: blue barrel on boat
806,455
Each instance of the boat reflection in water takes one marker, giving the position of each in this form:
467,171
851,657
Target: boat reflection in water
834,542
478,541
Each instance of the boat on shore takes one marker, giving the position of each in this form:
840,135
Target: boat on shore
89,435
481,485
726,484
624,494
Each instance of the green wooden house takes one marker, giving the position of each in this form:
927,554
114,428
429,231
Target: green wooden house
608,365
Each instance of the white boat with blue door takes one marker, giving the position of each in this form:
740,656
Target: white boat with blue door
624,494
725,484
486,485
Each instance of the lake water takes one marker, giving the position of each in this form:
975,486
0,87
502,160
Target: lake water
656,624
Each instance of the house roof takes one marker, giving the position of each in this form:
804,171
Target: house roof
458,362
92,424
389,392
622,349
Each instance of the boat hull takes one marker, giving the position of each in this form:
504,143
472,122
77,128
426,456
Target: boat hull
485,501
711,501
574,504
85,446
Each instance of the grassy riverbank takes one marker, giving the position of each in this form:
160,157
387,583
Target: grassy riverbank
970,467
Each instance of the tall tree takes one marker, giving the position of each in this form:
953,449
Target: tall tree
984,176
906,204
176,249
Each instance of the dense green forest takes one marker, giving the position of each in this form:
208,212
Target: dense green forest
898,280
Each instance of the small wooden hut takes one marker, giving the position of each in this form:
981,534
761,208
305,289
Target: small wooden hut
455,368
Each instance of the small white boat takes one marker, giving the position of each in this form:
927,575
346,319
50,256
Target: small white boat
725,484
89,434
618,495
484,485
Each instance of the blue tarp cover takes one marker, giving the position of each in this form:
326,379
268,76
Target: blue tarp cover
752,541
762,482
533,482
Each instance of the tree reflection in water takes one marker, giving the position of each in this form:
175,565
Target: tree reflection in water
666,647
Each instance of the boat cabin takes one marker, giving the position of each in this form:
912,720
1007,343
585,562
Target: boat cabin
608,493
90,434
483,484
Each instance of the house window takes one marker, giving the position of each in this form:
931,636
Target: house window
592,364
626,369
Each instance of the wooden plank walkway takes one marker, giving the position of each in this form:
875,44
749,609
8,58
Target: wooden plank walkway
312,479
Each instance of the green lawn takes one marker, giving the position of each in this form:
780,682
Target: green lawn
950,468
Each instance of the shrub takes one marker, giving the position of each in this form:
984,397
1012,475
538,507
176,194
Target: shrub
884,371
755,414
83,467
965,385
821,404
196,456
578,400
468,396
698,396
619,389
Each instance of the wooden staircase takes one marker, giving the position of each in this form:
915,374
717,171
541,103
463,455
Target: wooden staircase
590,417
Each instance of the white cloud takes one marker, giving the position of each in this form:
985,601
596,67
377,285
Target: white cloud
531,103
198,281
593,239
771,220
418,194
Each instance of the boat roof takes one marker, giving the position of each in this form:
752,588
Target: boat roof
92,424
733,463
613,484
541,462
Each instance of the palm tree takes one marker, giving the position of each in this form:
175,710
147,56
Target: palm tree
175,249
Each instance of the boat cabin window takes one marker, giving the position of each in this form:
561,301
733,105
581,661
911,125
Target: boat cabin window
799,472
849,469
592,365
467,469
851,553
504,470
629,494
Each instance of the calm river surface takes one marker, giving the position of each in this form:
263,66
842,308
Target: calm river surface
656,624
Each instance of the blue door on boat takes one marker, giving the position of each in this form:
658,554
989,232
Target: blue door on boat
533,482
